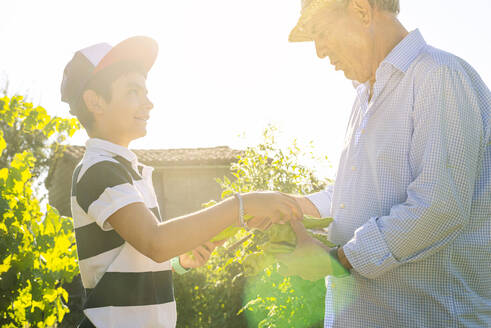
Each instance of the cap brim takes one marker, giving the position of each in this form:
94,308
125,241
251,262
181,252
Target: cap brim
298,35
139,49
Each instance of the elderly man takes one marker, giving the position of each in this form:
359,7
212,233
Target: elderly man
412,198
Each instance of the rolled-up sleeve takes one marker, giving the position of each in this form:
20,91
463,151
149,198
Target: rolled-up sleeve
322,201
105,188
445,152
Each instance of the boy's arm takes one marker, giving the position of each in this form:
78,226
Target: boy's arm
161,241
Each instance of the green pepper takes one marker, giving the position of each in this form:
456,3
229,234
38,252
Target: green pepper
282,240
310,222
323,239
278,232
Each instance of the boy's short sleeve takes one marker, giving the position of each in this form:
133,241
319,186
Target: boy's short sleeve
105,188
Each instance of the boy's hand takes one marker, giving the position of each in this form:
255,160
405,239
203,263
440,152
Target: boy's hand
270,207
198,256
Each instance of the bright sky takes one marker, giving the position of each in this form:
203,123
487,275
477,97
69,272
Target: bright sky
225,67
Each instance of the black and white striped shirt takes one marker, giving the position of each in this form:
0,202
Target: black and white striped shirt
124,287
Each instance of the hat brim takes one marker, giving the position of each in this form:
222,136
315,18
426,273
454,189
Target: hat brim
139,49
298,35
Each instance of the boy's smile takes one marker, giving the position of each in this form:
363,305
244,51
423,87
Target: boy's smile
125,117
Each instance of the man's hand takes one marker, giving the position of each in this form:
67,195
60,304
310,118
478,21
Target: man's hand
310,260
270,207
305,204
199,257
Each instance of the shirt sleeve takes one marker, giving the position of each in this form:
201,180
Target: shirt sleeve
445,152
105,188
322,200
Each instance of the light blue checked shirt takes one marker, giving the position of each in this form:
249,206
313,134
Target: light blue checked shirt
412,198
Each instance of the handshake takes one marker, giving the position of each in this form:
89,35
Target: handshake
282,219
287,242
262,210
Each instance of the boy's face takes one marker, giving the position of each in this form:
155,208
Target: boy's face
125,117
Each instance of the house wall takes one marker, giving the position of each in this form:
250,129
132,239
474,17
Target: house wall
182,190
60,186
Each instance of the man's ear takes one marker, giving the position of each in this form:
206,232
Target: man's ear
94,102
362,9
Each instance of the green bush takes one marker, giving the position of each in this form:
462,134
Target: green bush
37,250
29,128
218,294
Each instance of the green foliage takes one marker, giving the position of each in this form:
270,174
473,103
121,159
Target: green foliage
29,128
219,294
279,302
268,167
211,296
37,251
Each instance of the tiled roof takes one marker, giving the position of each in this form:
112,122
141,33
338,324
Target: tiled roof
167,157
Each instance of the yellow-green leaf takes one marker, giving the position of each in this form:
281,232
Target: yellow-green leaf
5,266
50,295
3,144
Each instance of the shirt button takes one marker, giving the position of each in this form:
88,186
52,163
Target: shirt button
341,205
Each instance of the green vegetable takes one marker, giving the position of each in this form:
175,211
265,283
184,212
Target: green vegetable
282,240
310,222
323,239
278,232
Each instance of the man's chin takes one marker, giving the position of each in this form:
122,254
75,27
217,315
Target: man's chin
353,77
349,75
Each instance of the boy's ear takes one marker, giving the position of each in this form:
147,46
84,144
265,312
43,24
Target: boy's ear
94,102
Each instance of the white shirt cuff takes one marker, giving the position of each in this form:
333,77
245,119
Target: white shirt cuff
322,200
368,253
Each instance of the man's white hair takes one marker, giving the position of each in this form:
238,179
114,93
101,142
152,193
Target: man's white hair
388,5
310,6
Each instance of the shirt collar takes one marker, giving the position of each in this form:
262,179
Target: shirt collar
111,148
403,55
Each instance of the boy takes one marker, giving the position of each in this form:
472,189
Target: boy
124,248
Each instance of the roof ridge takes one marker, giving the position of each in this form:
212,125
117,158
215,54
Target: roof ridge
208,155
